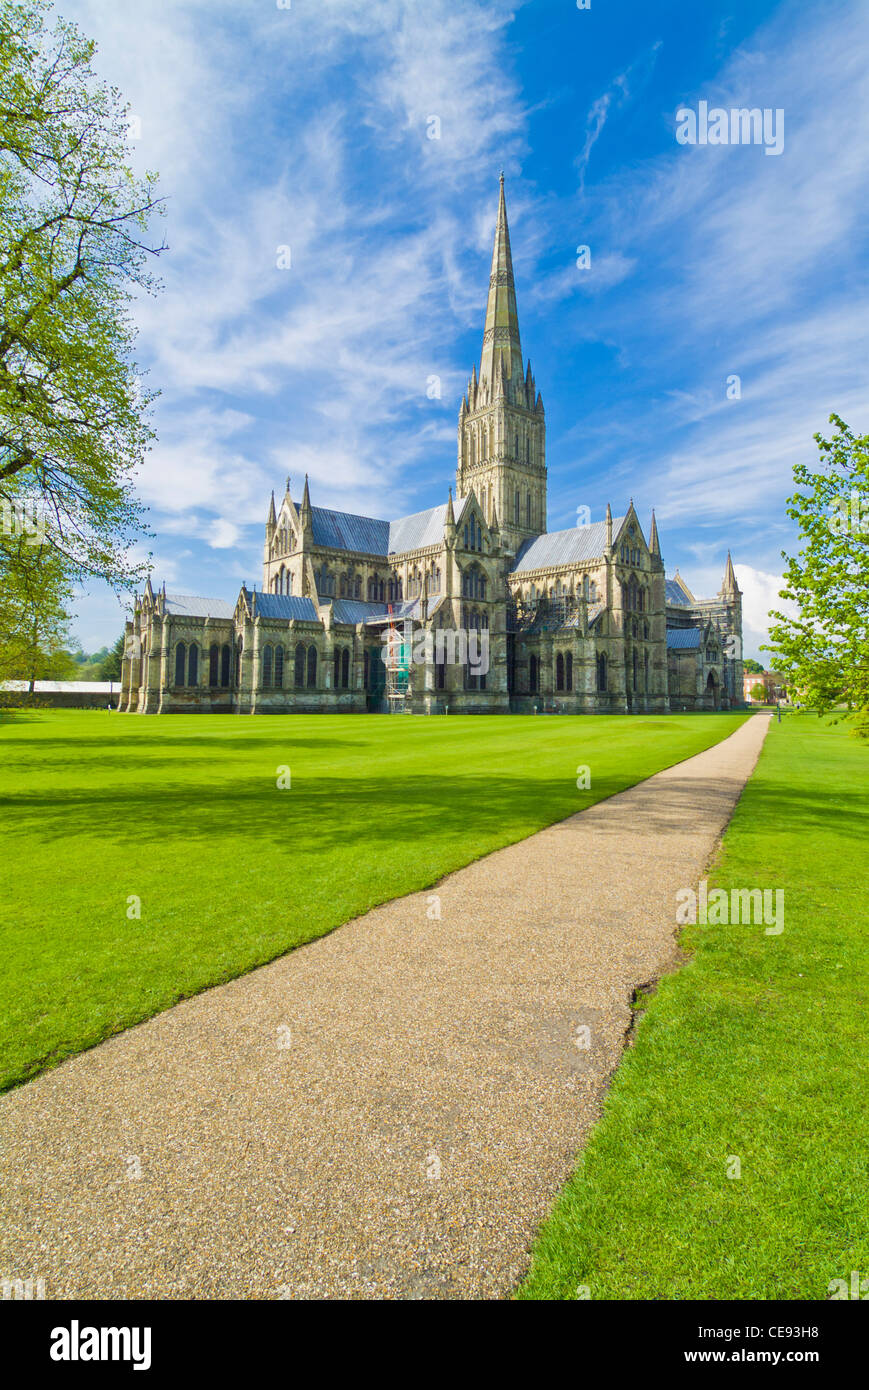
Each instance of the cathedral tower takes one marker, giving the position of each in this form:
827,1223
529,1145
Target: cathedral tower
502,430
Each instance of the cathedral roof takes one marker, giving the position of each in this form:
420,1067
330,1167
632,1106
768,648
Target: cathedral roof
677,593
355,610
413,532
372,536
564,547
683,638
192,606
345,531
405,608
285,606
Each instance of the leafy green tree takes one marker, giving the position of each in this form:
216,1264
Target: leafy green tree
73,230
824,650
34,617
110,666
758,692
753,667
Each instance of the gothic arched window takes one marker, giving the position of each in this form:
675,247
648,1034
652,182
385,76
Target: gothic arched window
473,583
225,658
268,657
601,672
559,671
213,663
299,672
180,663
193,665
312,666
568,671
345,668
279,667
533,675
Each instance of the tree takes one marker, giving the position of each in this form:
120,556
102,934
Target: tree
73,226
110,666
824,650
753,667
34,617
758,692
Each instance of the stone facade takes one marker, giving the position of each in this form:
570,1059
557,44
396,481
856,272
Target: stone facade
469,607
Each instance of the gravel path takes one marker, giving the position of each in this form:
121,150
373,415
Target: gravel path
387,1112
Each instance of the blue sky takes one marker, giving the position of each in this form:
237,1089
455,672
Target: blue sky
308,126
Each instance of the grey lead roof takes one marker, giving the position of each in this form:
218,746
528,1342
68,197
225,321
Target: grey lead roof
565,547
355,610
345,531
676,594
192,606
683,638
406,608
286,606
413,532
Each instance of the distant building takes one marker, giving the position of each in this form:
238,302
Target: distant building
470,607
63,694
775,687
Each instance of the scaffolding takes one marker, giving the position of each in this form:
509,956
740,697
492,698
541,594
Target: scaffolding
397,654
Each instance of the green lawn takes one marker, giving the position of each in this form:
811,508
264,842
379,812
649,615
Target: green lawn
755,1050
184,813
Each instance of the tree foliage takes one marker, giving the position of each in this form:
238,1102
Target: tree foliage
73,255
110,666
34,598
824,649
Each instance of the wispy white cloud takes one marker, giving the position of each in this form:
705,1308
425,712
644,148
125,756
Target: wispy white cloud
622,89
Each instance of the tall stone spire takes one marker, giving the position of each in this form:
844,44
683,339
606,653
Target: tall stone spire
654,543
502,430
501,334
730,585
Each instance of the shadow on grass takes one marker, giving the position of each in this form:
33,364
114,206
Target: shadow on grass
323,812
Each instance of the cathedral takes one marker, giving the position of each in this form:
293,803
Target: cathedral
471,607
